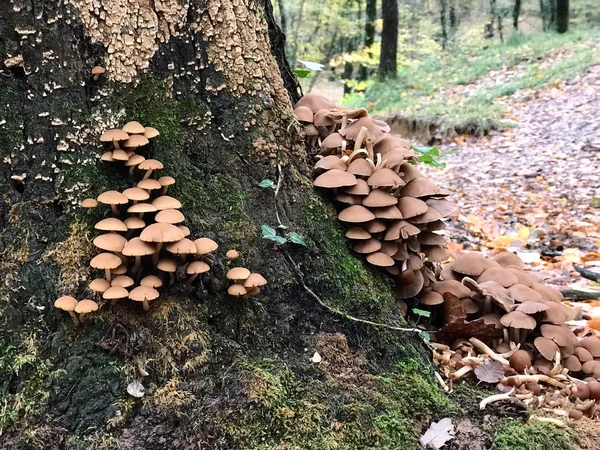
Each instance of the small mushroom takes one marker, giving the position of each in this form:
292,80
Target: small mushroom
134,128
84,307
137,248
165,182
89,204
144,294
232,254
151,281
99,285
68,304
168,266
97,71
113,136
106,261
113,198
195,268
161,233
149,166
115,293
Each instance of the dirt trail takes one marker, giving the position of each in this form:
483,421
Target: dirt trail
542,174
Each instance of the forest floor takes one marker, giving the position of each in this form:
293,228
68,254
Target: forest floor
534,187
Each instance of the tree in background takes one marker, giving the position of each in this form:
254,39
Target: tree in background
282,16
389,39
443,22
371,13
562,16
516,14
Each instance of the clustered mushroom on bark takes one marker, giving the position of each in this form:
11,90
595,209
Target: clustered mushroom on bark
146,239
491,309
393,212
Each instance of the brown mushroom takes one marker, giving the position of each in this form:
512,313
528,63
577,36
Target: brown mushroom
151,281
84,307
89,204
97,71
134,128
144,294
165,182
195,268
113,198
232,254
99,285
115,293
168,266
106,262
205,246
68,304
172,216
166,202
149,166
160,233
182,248
335,178
149,184
518,323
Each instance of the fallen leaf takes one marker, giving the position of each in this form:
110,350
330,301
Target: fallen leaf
453,309
477,329
438,433
316,358
136,389
490,371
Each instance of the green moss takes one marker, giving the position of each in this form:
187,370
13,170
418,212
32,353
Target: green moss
514,435
288,410
353,288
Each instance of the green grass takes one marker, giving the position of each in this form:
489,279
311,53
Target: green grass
417,92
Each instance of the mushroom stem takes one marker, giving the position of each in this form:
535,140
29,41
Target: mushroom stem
156,255
558,423
488,351
487,304
131,170
89,211
116,144
74,318
192,277
137,265
82,317
344,122
359,139
520,379
107,275
164,190
522,336
461,372
514,335
369,145
148,173
147,305
495,398
115,210
172,278
505,332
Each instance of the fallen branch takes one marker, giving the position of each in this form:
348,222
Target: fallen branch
589,274
572,294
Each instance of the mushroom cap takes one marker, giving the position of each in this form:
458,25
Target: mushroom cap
356,214
521,293
435,253
89,203
134,128
149,184
555,314
99,285
105,261
136,194
520,360
427,238
171,216
255,280
107,156
135,141
431,215
151,281
561,335
238,273
138,247
115,292
167,265
349,199
400,229
134,160
405,291
322,118
409,171
134,223
592,345
420,187
531,307
161,232
120,270
66,303
367,246
114,135
504,277
360,188
387,212
186,230
375,129
166,181
232,254
111,242
517,319
380,259
113,198
437,225
119,154
492,319
334,140
374,226
472,264
314,102
252,291
335,178
444,207
521,276
205,246
591,367
182,247
594,387
547,292
361,168
237,290
572,363
330,162
456,288
111,224
196,267
166,202
385,177
506,259
583,354
141,208
151,164
469,306
388,143
122,281
86,306
431,298
304,114
310,130
357,233
546,347
151,132
143,293
379,198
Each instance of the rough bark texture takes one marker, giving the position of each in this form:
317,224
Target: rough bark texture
562,16
389,39
224,373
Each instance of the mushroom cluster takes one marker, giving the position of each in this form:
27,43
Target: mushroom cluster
393,213
78,310
146,239
245,283
494,308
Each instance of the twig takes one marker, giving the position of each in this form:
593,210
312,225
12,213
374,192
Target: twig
520,379
572,294
488,351
495,398
558,423
279,183
318,299
589,274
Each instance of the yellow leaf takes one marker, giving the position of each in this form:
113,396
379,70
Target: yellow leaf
524,234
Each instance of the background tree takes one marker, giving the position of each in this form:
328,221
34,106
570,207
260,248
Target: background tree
516,14
444,22
212,77
371,17
562,16
388,62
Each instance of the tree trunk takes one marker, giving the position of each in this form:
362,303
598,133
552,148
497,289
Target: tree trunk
452,17
443,22
220,372
388,65
371,17
492,19
516,14
562,16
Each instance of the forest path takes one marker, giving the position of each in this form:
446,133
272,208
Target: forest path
535,186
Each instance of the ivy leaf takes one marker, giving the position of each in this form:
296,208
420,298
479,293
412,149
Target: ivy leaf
421,312
312,65
429,156
490,371
438,433
266,183
271,234
302,73
297,239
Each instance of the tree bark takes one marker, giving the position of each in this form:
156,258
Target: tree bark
443,22
371,17
388,64
516,14
220,372
562,16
